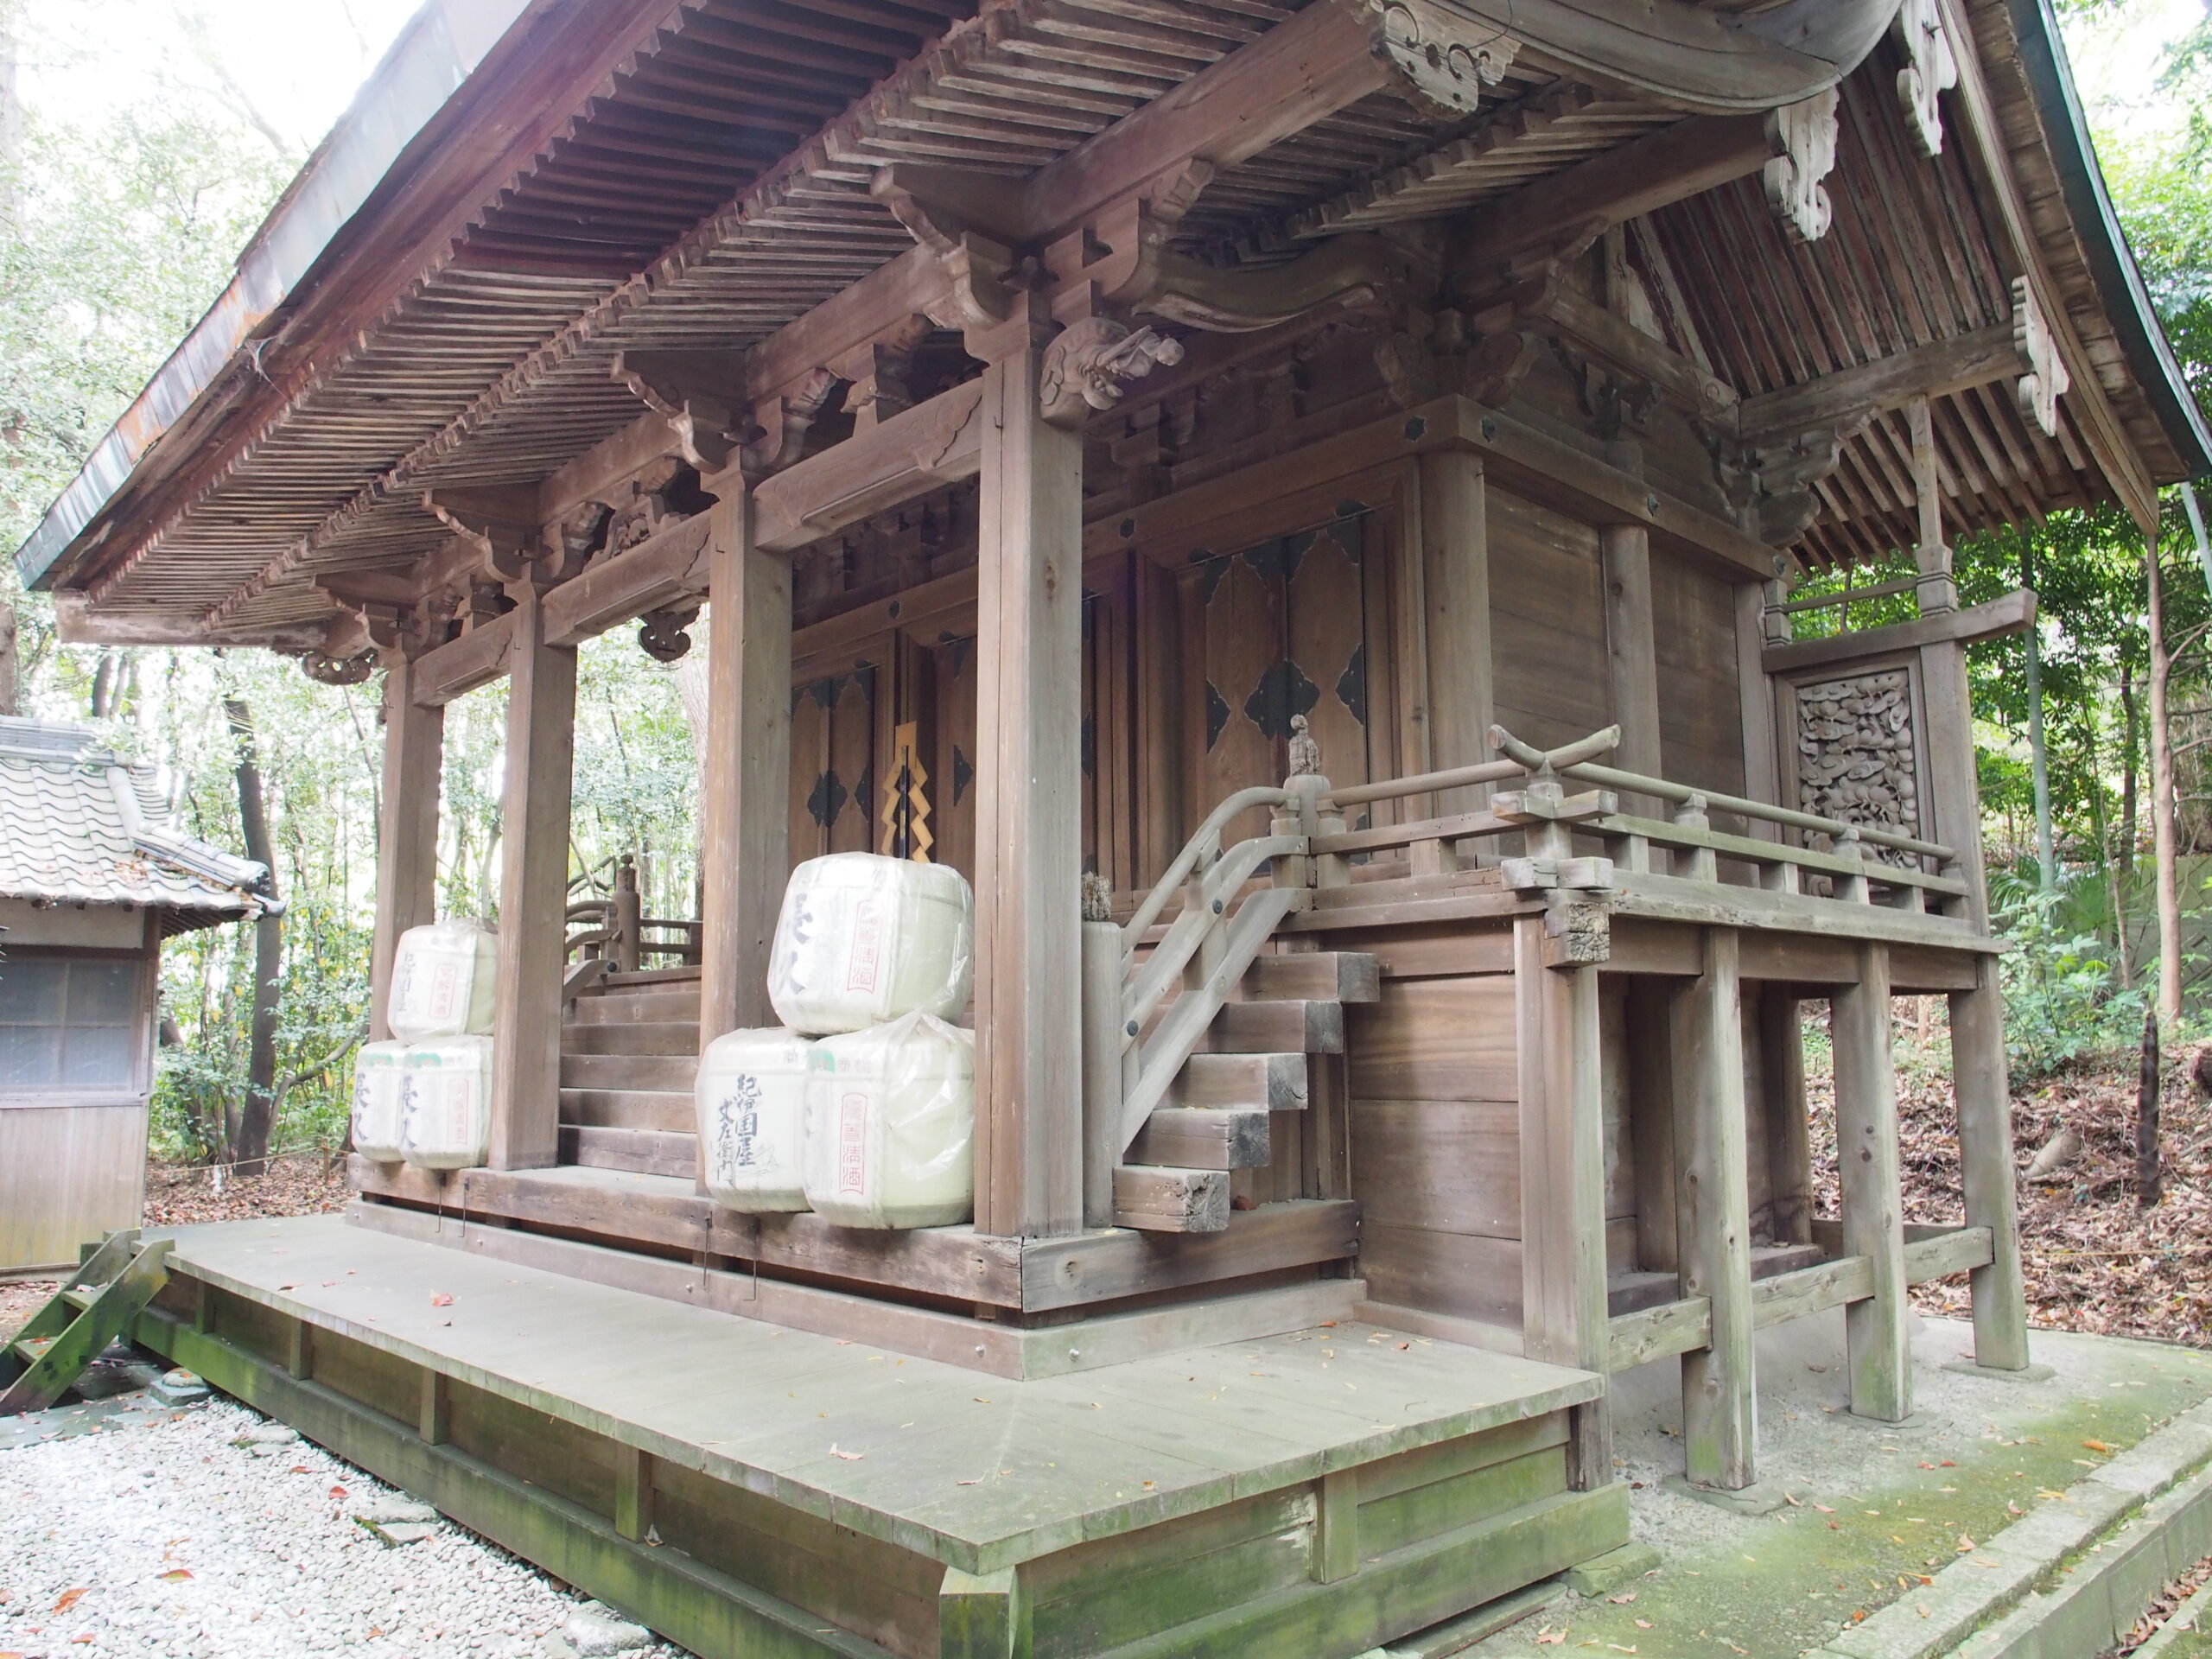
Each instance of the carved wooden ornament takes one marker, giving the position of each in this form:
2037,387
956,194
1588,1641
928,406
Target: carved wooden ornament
1087,363
2047,379
1446,58
1857,759
1796,179
1931,69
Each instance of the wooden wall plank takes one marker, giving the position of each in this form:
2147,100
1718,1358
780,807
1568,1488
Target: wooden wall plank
1435,1040
1551,684
407,839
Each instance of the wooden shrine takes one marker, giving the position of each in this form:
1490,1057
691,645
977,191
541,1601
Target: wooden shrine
1297,503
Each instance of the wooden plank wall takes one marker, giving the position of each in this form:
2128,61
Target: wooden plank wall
67,1174
1548,623
1700,713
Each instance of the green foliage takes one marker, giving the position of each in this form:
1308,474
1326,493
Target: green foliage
2063,998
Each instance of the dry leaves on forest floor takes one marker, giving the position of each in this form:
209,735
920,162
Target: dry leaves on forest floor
2094,1260
180,1195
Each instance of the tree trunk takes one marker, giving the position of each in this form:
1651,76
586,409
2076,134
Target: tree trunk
103,679
2162,797
2038,753
2147,1178
249,1136
9,695
2130,831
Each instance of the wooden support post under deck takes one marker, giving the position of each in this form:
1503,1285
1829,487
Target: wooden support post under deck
1788,1131
1985,1095
1719,1419
1564,1316
533,893
407,839
1872,1193
1455,590
744,797
1029,795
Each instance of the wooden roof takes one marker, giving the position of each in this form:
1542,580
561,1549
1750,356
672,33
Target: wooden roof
619,176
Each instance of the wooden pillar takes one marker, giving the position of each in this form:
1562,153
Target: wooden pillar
1455,596
1953,788
1755,698
1979,1075
1936,590
1632,657
1714,1231
1872,1189
533,891
1564,1315
745,795
1788,1131
1029,795
407,838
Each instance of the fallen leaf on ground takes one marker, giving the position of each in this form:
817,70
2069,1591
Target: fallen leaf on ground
70,1598
850,1457
175,1575
440,1298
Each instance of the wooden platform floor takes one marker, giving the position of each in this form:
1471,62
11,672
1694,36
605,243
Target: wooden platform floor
981,1473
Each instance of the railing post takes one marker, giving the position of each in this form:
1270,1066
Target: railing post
1697,863
626,914
1102,1052
1852,889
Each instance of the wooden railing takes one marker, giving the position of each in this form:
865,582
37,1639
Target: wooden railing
616,930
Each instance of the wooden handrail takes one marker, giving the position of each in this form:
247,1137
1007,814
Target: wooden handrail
1205,844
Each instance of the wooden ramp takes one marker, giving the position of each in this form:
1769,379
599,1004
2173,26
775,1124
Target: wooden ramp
748,1489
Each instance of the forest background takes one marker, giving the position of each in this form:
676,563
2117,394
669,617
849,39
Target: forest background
141,143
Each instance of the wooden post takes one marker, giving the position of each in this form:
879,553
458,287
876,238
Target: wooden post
1564,1316
1455,588
407,839
1985,1095
533,893
634,1493
1631,657
626,914
1101,1069
745,795
1873,1189
1936,590
434,1413
1788,1131
1029,794
1713,1231
1755,698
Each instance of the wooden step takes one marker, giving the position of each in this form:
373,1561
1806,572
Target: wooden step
1274,1027
1314,977
671,1071
642,1152
1203,1138
81,1297
628,1109
645,1037
631,1008
1157,1200
1269,1082
31,1350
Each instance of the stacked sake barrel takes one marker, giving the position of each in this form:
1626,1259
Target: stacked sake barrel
425,1097
861,1105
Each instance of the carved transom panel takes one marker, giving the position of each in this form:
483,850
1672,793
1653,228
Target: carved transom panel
1856,757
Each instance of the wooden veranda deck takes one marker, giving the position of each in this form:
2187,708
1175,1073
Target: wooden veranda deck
750,1489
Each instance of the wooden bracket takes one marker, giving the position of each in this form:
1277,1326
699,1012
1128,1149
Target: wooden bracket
1796,180
1087,363
2047,380
780,425
500,522
1931,69
700,393
875,372
1444,57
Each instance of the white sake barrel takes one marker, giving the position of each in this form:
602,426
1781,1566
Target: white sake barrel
447,1122
864,939
444,981
752,1100
891,1125
379,1100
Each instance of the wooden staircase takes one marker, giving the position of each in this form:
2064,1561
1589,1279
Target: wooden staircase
97,1305
629,1053
1255,1059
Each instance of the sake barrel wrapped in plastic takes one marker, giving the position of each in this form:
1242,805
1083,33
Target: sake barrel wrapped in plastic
863,939
447,1121
891,1125
752,1098
444,980
379,1100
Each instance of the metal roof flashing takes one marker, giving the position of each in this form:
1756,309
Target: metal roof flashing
432,58
2112,260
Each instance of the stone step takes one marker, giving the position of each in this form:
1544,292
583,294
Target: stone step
1314,975
1272,1083
644,1036
1203,1138
1314,1028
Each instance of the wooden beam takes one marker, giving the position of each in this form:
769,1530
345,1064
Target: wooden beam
1872,1188
666,568
1782,1106
407,838
745,794
1621,346
459,666
1719,1427
1029,793
1564,1316
1979,1075
1933,370
923,449
1639,177
533,893
1965,626
1455,595
1631,653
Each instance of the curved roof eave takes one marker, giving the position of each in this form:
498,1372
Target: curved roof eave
439,48
2112,261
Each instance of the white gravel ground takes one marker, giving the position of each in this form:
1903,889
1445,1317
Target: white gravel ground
171,1540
